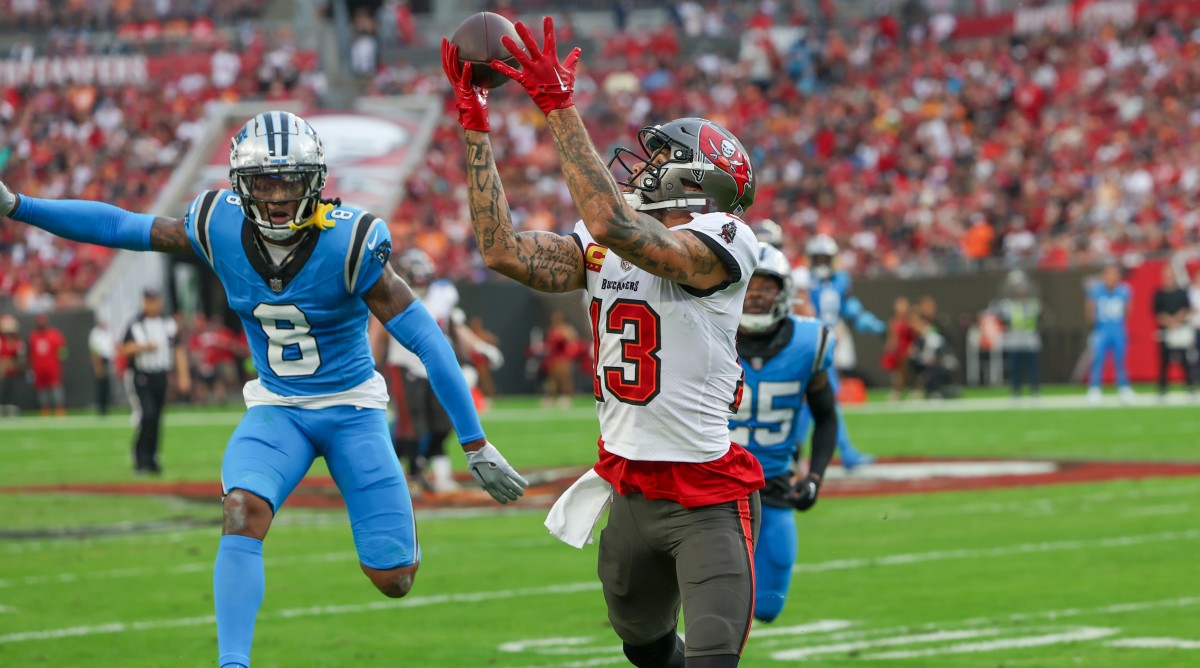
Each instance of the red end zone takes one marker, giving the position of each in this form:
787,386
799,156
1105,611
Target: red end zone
887,477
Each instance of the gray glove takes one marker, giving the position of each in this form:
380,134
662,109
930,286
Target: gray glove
495,475
8,200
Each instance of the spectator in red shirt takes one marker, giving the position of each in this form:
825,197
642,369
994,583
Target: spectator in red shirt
47,350
12,360
900,335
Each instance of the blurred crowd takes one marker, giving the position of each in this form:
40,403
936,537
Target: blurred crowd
918,152
120,142
66,21
919,155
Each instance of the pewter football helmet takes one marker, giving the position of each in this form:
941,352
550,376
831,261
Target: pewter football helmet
706,168
282,147
772,263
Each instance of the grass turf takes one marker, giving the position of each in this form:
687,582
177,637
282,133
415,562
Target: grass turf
1045,576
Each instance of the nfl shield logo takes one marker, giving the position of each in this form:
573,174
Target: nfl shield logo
276,285
625,265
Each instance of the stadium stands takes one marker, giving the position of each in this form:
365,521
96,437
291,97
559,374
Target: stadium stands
113,128
920,157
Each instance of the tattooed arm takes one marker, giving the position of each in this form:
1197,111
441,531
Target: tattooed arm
542,260
642,239
167,235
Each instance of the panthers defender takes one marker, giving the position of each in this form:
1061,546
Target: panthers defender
1107,307
302,273
664,260
829,293
787,360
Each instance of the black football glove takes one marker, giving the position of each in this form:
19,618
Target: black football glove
804,493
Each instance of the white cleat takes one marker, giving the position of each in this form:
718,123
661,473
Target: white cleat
1094,396
1126,395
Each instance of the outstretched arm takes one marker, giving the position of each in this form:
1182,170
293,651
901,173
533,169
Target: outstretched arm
96,223
542,260
392,301
643,240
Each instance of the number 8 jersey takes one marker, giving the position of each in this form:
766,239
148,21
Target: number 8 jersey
667,377
301,306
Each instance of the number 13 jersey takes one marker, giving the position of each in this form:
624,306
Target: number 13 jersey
305,318
667,377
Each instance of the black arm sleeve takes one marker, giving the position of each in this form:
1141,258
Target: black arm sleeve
823,404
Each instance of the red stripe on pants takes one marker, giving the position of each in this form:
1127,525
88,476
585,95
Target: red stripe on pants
747,524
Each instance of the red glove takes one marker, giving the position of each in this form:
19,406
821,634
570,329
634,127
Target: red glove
549,82
471,101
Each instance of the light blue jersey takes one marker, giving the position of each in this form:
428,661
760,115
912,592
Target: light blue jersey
1111,306
305,322
768,420
1109,335
832,302
770,425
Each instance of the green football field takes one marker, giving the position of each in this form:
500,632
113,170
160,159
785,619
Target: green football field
1005,571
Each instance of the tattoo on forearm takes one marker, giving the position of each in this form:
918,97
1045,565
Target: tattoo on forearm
168,236
541,260
634,236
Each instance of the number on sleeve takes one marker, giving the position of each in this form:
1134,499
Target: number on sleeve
639,380
291,350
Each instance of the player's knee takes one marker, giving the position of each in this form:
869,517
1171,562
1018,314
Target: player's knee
393,583
767,608
246,514
713,632
665,651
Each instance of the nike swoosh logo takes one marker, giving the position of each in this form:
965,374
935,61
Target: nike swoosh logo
373,241
562,86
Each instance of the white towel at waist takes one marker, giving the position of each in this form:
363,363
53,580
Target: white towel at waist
574,516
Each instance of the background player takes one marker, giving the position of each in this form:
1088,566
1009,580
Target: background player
422,425
829,294
304,306
1107,306
787,360
666,285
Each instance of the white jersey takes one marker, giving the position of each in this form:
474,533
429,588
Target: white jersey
440,299
667,373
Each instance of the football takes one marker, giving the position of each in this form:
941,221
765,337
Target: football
478,42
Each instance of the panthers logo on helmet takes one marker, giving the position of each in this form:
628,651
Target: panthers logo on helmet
724,154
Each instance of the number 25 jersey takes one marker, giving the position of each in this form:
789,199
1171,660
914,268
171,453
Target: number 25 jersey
305,321
666,368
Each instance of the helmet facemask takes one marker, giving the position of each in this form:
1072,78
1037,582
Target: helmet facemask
277,159
670,173
771,264
278,185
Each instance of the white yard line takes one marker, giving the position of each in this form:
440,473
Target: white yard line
1003,551
293,613
580,412
231,418
818,567
1020,642
1155,643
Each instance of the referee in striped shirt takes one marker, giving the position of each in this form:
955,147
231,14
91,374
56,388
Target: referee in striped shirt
152,345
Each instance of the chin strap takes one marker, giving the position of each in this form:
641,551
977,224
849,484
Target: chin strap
320,218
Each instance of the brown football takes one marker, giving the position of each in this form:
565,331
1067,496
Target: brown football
478,42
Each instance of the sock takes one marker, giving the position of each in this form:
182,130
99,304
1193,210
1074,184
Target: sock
238,586
443,475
